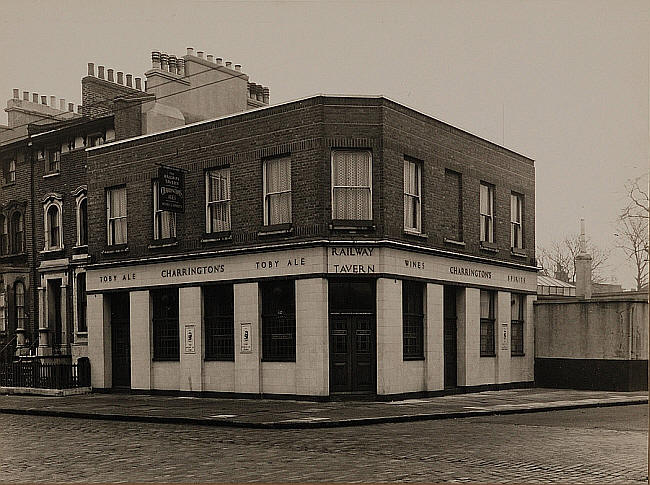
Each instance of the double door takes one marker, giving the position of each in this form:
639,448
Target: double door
353,340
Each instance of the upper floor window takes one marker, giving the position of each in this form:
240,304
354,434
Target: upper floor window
277,191
488,348
351,185
3,311
4,239
517,305
95,140
82,222
19,304
487,212
412,196
516,220
9,168
54,160
53,230
17,233
217,200
116,216
164,222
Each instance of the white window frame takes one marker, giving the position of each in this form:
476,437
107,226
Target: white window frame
516,221
417,198
333,187
267,194
489,238
4,312
109,219
217,172
157,213
53,201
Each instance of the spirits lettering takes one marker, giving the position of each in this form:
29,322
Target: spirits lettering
516,279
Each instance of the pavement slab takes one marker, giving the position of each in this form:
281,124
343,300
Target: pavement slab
267,413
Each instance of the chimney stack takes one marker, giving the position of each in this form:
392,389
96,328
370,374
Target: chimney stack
583,266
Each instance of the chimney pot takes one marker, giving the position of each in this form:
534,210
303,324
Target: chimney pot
120,77
219,61
190,51
16,93
238,67
79,109
155,59
34,97
210,58
266,95
71,107
164,62
53,101
251,90
129,80
138,83
200,54
110,75
229,64
44,100
180,66
91,69
172,64
62,104
100,72
25,95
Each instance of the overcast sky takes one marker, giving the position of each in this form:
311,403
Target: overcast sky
565,83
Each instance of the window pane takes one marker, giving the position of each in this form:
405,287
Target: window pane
278,175
165,324
219,322
487,304
351,168
278,321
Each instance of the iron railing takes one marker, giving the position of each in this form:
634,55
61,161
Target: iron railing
33,373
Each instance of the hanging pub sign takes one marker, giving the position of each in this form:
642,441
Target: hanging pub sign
171,189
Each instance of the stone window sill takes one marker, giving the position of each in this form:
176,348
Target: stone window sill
214,237
8,184
50,175
163,243
413,233
454,242
116,249
489,247
518,253
352,225
276,230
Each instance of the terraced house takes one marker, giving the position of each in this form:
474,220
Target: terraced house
334,245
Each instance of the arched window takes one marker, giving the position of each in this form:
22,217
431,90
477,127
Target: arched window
82,222
19,304
4,245
17,233
53,229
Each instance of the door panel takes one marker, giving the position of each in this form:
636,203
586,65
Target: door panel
120,340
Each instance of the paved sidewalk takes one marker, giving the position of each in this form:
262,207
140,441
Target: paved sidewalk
257,413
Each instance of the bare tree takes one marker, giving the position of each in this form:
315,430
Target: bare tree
633,228
560,256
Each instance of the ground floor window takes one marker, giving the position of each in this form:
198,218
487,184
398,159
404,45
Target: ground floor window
219,317
487,324
165,324
413,320
278,321
82,303
517,304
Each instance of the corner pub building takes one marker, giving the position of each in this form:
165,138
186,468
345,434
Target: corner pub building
335,245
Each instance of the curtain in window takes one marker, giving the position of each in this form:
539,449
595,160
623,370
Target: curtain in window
351,185
219,200
83,222
164,221
117,214
486,305
53,223
411,195
17,233
278,190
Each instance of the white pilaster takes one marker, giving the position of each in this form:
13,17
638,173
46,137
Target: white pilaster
99,341
140,336
389,336
468,306
502,336
434,344
191,309
312,342
247,365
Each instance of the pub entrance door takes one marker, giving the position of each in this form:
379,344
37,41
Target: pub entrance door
450,337
352,330
120,340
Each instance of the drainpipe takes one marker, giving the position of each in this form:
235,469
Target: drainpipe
33,336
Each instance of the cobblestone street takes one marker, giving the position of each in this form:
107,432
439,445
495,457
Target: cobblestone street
585,446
